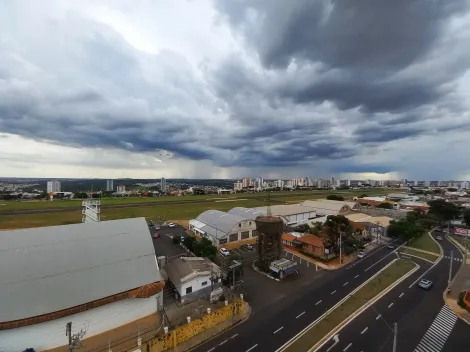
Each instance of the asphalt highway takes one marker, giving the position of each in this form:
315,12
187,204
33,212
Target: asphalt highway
414,309
269,328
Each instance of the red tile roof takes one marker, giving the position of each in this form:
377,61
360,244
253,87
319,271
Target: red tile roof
312,240
288,237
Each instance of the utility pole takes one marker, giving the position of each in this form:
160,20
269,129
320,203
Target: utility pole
395,337
340,246
75,340
450,268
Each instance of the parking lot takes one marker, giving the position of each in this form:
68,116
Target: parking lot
164,245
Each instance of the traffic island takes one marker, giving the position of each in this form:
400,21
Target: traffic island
428,256
360,299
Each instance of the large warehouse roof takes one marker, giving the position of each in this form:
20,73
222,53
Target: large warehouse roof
47,269
328,207
287,209
218,223
247,213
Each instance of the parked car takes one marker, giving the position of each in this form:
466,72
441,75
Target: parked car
425,284
361,255
157,227
439,238
156,235
391,246
224,252
247,247
171,225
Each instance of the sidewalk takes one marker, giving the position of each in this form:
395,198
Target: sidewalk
461,282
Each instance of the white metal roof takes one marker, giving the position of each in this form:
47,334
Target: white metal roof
48,269
247,213
218,223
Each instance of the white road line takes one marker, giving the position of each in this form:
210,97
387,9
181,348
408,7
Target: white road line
220,344
363,331
347,347
345,283
333,292
318,302
391,304
278,329
401,294
252,347
382,258
356,276
234,336
298,316
378,317
213,348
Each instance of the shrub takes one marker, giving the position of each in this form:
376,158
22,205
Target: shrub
322,258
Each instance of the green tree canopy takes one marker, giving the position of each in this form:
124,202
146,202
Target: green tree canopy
443,209
385,205
334,197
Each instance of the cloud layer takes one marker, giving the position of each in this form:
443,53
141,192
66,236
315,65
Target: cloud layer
228,88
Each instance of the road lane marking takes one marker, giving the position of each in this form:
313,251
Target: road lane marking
381,259
220,344
213,348
347,347
401,295
298,316
279,329
356,276
391,304
363,331
333,292
318,302
378,317
234,336
252,347
346,283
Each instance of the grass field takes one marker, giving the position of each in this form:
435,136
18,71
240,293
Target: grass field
280,196
425,242
428,256
170,211
365,294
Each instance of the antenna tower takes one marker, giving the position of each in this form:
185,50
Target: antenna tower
91,209
268,209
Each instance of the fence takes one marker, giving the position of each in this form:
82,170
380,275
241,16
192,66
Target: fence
193,328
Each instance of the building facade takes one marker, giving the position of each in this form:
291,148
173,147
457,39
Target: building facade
53,186
109,185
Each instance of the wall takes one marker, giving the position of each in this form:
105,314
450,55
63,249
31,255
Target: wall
295,218
196,284
247,225
51,334
187,331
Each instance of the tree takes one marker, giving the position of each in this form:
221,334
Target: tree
405,229
385,205
466,216
334,225
204,248
190,242
444,210
363,195
302,228
334,197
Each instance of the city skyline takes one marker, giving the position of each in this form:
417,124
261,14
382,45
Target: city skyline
236,97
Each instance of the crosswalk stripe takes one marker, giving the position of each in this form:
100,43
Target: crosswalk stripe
439,331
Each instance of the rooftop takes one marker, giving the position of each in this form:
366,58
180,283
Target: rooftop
48,269
183,269
287,209
312,240
218,223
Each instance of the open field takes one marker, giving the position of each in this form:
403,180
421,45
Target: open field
170,211
281,196
365,294
428,256
425,242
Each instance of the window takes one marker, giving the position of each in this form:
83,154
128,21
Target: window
240,225
189,289
233,237
245,235
249,223
222,241
204,283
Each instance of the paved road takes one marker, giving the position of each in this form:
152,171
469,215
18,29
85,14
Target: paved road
424,322
136,204
270,327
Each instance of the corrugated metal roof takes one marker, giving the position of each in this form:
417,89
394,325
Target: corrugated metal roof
328,207
47,269
218,223
247,213
288,209
349,204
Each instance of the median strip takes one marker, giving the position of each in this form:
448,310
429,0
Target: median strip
420,254
399,269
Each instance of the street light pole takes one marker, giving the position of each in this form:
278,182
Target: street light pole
395,337
450,268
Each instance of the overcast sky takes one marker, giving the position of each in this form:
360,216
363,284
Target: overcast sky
227,88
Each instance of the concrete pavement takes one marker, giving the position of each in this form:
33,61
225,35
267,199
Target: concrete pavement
269,328
423,322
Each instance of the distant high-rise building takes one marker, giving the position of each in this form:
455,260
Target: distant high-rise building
279,183
121,188
163,185
53,186
109,185
247,182
259,183
237,186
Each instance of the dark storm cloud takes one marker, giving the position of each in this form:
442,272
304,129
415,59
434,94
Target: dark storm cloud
361,168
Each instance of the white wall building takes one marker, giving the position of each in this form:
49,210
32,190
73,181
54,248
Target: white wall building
53,186
109,185
120,188
163,185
